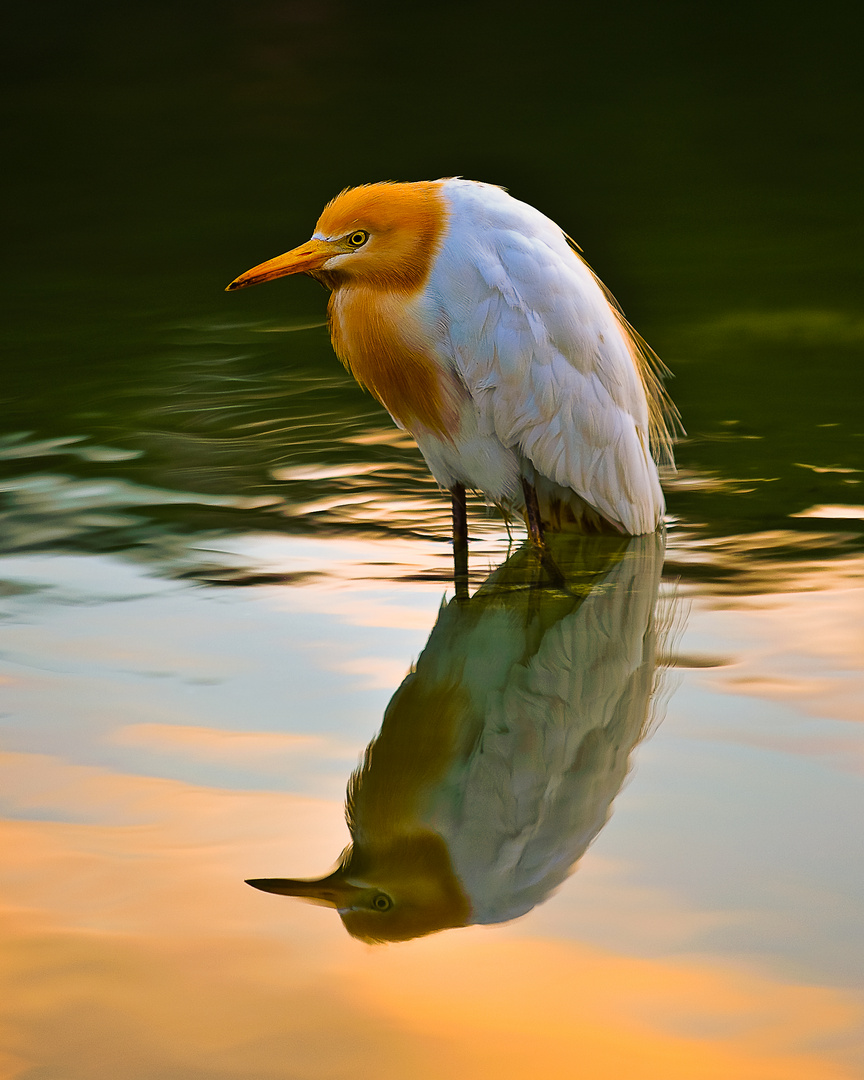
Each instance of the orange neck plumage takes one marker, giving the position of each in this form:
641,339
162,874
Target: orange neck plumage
374,292
369,336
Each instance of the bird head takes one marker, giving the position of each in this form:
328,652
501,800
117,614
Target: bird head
404,891
380,235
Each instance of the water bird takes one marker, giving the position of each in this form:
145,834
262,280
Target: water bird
476,323
500,754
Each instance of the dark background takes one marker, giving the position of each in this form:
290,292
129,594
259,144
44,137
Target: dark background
707,158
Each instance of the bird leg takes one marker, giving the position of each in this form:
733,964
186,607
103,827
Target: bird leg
535,531
460,541
532,515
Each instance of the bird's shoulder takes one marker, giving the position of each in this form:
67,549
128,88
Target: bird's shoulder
511,284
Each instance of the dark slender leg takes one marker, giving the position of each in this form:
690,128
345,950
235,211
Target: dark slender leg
460,541
535,531
532,514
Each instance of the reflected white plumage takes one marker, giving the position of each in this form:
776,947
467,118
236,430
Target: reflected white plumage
476,323
502,751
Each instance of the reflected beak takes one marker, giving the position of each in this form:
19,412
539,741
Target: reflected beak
300,260
332,891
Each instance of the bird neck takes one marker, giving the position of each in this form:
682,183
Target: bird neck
376,337
420,740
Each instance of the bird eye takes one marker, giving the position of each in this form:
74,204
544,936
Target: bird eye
359,238
382,902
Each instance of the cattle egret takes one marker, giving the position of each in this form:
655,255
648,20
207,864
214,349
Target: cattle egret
475,322
502,751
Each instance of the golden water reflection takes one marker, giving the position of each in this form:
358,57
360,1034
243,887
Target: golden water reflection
135,951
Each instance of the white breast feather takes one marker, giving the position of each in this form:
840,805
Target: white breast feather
543,354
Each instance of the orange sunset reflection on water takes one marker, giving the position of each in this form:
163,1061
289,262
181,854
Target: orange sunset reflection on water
135,948
132,946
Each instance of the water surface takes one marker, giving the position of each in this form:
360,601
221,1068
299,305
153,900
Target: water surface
220,562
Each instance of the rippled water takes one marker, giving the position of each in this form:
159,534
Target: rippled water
618,825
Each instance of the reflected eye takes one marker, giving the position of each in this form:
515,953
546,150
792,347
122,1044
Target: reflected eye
359,238
382,902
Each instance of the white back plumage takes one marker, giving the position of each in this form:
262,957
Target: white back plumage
547,359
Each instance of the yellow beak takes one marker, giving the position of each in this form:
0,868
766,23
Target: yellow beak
332,891
300,260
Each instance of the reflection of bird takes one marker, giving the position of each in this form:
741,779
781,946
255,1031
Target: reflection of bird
471,317
500,754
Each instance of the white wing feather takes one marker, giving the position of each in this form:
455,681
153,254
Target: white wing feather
544,354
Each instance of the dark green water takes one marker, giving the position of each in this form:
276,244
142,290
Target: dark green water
707,164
